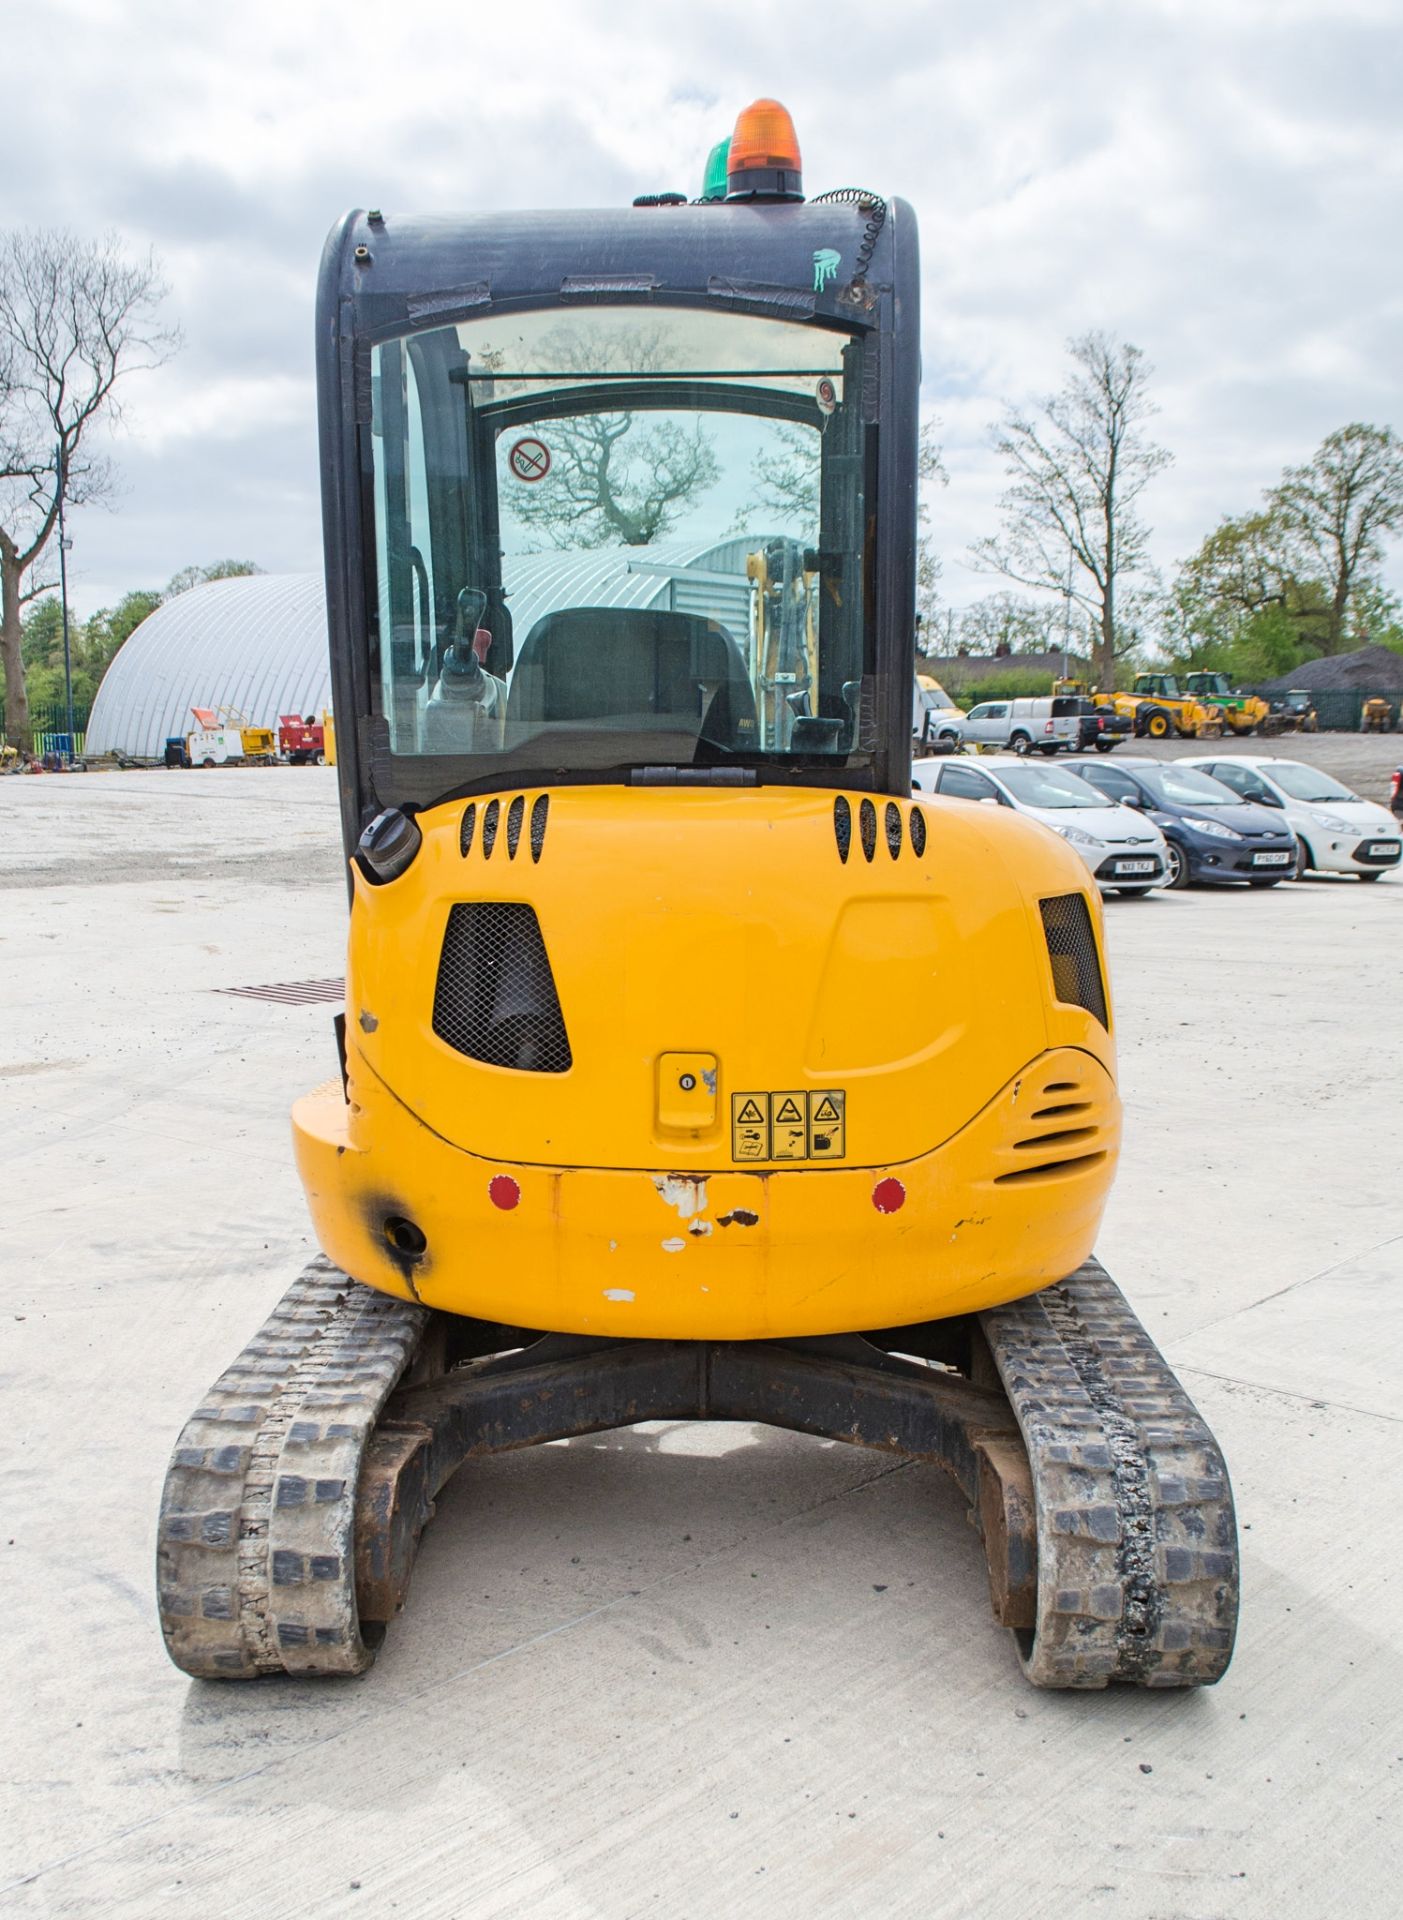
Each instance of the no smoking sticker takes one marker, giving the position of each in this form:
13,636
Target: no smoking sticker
529,459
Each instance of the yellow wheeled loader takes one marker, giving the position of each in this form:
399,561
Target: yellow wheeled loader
1242,712
690,1068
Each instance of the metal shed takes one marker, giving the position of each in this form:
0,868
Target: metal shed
257,644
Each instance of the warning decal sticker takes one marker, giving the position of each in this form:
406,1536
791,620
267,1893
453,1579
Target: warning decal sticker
750,1126
529,459
789,1125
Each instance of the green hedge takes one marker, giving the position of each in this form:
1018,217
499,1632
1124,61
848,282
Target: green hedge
1018,683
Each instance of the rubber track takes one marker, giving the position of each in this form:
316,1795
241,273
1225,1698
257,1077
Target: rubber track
1137,1541
255,1557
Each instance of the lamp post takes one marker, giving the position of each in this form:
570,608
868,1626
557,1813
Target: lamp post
63,598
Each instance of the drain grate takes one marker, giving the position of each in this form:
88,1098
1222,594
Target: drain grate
291,993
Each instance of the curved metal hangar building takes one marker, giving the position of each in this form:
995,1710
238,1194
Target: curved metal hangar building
257,644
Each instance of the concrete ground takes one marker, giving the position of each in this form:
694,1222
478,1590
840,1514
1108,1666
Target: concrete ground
682,1670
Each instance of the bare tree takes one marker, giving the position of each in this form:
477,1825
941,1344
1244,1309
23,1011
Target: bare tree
601,490
1007,623
784,482
1340,505
1077,466
930,471
76,317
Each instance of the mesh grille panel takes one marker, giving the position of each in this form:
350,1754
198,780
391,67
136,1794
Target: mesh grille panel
495,1000
1071,947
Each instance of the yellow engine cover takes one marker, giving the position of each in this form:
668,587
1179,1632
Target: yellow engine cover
804,1093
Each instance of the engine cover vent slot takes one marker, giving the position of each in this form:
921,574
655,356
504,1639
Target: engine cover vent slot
540,810
1051,1170
465,832
495,999
489,827
867,828
918,832
843,827
1071,948
893,826
516,812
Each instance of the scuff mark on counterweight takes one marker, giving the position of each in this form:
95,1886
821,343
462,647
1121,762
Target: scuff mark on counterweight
685,1191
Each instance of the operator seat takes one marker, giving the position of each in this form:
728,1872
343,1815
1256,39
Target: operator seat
634,670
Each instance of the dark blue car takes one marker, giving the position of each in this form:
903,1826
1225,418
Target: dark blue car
1211,832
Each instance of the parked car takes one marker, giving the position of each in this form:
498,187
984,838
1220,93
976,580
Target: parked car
1124,850
1336,831
1024,725
1211,833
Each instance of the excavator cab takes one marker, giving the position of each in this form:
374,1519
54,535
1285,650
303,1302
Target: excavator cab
689,1066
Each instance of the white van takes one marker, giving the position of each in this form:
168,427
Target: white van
934,715
1024,726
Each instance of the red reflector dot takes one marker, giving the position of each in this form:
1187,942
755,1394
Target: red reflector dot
503,1191
889,1196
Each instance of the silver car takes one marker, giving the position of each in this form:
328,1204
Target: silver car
1125,851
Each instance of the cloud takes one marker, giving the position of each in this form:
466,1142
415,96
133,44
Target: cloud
1216,180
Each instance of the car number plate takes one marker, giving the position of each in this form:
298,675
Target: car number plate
1271,859
1135,866
1382,850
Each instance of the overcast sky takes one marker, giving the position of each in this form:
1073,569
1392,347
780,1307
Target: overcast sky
1217,181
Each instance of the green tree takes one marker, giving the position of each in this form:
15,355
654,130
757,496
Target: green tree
1078,465
77,317
1246,602
1340,506
92,645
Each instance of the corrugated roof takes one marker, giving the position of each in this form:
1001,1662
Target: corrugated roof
256,644
259,644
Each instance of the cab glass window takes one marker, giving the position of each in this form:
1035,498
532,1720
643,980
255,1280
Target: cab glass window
616,536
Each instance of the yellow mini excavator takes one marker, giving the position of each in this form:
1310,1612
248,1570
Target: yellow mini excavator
689,1068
